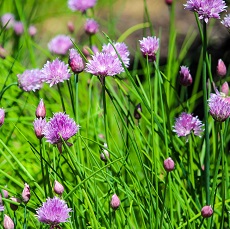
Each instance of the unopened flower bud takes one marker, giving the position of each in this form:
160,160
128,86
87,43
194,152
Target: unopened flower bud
58,188
221,68
2,116
26,193
18,28
5,193
3,52
225,88
32,30
70,26
169,164
14,207
105,154
75,61
41,110
137,109
8,222
206,211
169,2
185,77
39,125
115,202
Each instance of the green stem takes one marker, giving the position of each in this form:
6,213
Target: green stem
42,168
207,145
76,97
61,97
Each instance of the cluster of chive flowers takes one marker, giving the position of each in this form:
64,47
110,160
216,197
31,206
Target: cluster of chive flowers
8,21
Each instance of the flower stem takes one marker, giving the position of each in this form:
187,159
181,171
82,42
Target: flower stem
207,146
61,97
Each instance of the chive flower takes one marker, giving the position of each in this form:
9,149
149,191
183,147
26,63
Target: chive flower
55,72
206,9
39,125
8,20
185,77
53,212
18,28
219,106
76,62
186,124
226,22
60,44
81,5
149,47
2,116
91,26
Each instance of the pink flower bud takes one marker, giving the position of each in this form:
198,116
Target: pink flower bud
58,188
14,207
41,110
26,193
5,193
70,26
169,164
8,222
2,116
115,202
32,30
185,77
91,26
75,61
206,211
18,28
137,109
221,68
225,88
39,125
169,2
105,154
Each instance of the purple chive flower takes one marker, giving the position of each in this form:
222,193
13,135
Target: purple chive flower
185,77
219,106
26,193
226,22
60,126
206,8
1,208
115,202
169,164
60,44
104,64
55,72
18,28
91,26
58,188
121,48
149,47
8,19
53,212
81,5
30,80
39,125
186,124
2,116
32,30
75,61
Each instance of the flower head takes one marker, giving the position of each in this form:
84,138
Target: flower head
91,26
206,211
226,22
75,61
81,5
185,76
2,116
219,106
104,64
30,80
105,154
18,28
39,125
26,193
32,30
8,222
60,44
55,72
53,212
221,68
58,188
13,206
8,19
225,88
186,124
149,47
115,202
60,126
122,50
206,8
169,164
41,110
